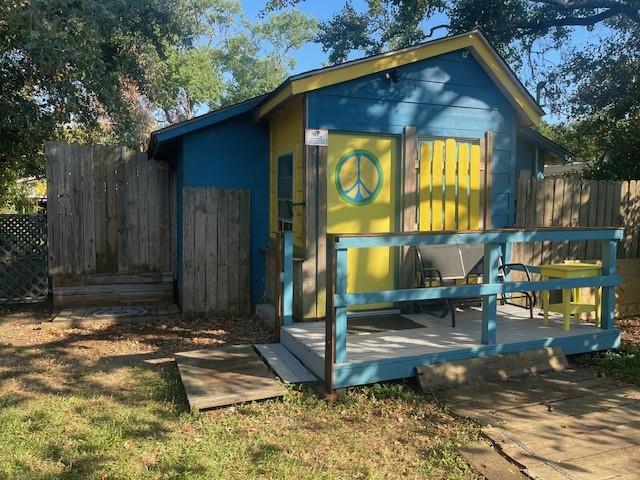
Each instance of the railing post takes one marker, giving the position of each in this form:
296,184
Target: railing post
489,309
341,312
287,280
330,319
608,302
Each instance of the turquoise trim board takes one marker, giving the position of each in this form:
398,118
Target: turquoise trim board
363,373
287,279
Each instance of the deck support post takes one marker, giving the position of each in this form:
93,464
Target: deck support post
341,312
287,280
608,302
489,307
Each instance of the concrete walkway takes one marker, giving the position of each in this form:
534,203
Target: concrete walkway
561,425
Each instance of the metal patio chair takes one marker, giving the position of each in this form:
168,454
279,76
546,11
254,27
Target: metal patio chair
442,264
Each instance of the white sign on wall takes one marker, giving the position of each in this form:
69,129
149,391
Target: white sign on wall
318,137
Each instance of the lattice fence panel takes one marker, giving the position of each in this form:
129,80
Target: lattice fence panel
23,258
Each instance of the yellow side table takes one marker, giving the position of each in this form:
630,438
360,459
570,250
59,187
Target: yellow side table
570,306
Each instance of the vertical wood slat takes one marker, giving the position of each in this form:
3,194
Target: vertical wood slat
463,187
622,217
144,171
437,193
409,180
53,227
450,166
188,254
234,251
65,244
634,216
426,187
132,202
199,249
121,211
111,162
244,288
211,260
223,251
308,289
488,183
156,203
321,277
100,206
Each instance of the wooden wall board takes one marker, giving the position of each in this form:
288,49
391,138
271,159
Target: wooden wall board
216,251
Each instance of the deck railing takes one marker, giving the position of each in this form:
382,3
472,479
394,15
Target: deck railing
495,241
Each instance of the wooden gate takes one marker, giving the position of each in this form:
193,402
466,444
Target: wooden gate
216,251
109,221
23,258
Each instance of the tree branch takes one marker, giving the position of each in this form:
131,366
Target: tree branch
612,8
432,30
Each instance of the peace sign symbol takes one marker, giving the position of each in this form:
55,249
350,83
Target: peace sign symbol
358,177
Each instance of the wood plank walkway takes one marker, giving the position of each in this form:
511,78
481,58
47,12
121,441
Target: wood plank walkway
566,426
287,367
226,375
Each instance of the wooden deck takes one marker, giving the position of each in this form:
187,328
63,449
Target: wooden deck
395,354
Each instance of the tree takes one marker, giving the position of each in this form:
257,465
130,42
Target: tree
230,60
67,65
110,70
596,87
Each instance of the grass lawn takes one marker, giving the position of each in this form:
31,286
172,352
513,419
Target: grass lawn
78,404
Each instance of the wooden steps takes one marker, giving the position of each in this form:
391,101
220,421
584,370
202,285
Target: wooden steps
287,367
224,376
112,289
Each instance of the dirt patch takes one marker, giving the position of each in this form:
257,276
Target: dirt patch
630,329
38,360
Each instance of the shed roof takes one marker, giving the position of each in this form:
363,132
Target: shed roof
548,145
529,112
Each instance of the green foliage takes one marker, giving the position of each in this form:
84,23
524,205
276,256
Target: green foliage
109,71
596,87
229,60
622,364
604,105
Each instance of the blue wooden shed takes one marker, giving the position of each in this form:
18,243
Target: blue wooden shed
352,167
451,106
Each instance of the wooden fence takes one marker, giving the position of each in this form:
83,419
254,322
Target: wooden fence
575,203
108,211
216,251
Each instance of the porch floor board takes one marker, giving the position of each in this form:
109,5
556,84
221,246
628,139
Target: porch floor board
513,326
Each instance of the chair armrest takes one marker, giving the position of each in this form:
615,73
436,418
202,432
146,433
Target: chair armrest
438,274
505,267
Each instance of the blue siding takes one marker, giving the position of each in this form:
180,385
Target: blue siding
232,154
445,96
526,158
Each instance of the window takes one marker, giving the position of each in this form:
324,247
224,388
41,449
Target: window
285,192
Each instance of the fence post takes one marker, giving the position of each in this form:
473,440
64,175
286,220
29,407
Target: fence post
489,309
287,280
608,301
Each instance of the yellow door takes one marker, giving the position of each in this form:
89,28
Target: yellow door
361,199
450,187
